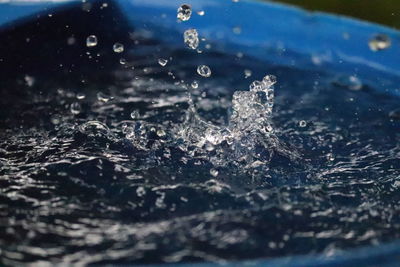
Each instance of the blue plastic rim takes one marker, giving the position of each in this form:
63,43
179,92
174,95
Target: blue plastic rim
272,32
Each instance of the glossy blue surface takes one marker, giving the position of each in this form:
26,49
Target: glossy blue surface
286,35
279,33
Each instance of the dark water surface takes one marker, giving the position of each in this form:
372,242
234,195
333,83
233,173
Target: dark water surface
83,182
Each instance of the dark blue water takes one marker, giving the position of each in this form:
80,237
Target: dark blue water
92,185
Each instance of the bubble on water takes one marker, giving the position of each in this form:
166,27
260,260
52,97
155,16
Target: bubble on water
75,108
214,172
379,42
247,73
302,123
140,191
55,120
118,48
91,41
161,133
122,61
191,38
201,13
163,62
184,12
80,96
95,129
103,97
204,71
330,157
135,115
195,84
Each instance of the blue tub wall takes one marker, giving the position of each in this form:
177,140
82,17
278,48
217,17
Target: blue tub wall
278,33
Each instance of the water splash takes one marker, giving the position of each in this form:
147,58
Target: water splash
91,41
191,38
246,141
184,12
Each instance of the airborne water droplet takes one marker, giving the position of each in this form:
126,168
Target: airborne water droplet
247,73
184,12
237,30
191,38
118,48
379,42
201,13
204,71
194,85
163,62
91,41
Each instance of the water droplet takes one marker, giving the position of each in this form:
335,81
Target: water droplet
184,12
247,73
195,85
330,157
302,124
191,38
80,96
118,48
135,115
103,97
75,108
122,61
204,71
71,40
140,191
161,133
237,30
201,13
91,41
214,172
29,80
163,62
379,42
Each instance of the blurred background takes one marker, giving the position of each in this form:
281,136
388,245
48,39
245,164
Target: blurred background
380,11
